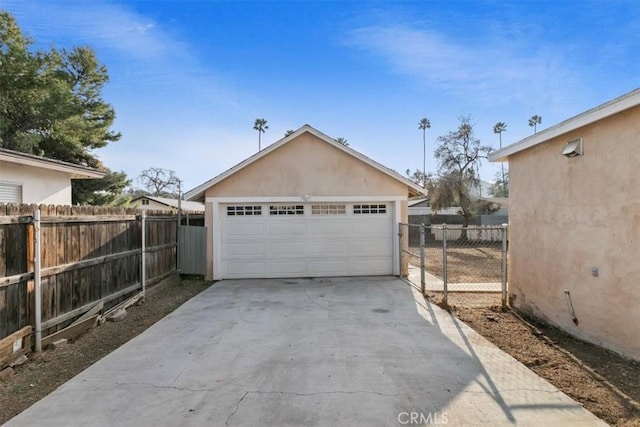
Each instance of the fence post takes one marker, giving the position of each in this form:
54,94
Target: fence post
143,272
38,283
445,279
400,254
504,265
422,260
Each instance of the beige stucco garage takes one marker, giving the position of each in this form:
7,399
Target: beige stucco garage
306,206
574,224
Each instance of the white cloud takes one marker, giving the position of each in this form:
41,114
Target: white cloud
497,71
99,23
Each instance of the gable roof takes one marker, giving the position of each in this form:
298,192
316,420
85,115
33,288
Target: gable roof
198,192
76,171
173,203
617,105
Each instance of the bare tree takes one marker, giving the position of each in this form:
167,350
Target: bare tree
534,121
261,126
459,155
159,182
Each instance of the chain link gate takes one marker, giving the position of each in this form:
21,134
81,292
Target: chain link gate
445,258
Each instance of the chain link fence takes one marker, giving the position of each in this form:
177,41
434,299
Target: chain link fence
443,259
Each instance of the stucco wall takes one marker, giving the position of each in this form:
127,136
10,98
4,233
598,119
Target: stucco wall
305,166
40,186
568,216
308,166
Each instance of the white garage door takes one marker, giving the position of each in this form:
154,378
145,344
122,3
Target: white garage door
306,240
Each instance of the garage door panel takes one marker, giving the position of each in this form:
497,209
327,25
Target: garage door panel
286,249
263,246
290,268
284,229
370,266
235,269
327,227
242,250
377,227
368,247
242,228
329,267
328,248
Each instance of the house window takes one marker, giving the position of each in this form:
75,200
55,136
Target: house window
145,201
369,209
286,210
244,210
10,193
328,209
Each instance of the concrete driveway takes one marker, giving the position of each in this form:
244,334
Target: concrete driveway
339,351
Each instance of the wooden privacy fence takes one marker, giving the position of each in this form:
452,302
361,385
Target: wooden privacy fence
60,262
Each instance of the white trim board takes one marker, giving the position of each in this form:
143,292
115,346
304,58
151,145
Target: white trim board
622,103
302,199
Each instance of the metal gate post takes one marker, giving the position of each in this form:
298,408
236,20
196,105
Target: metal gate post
400,254
504,265
143,253
445,279
422,260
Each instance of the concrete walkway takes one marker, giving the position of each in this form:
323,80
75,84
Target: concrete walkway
330,352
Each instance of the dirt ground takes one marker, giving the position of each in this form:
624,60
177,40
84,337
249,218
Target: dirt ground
605,383
47,371
480,264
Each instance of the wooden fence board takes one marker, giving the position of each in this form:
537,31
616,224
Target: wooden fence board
88,254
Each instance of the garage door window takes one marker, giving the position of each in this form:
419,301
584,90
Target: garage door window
286,210
369,209
328,210
244,210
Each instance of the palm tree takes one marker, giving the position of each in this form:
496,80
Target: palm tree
499,128
342,141
423,125
534,121
261,126
289,132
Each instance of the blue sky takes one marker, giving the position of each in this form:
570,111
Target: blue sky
188,78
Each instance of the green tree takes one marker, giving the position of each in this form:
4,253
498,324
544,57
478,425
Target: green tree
99,192
51,105
261,126
500,188
287,133
459,154
534,121
342,141
423,125
499,128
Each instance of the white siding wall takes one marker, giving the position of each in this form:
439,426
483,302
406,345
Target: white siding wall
40,186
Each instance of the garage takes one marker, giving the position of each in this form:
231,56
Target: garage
305,206
306,240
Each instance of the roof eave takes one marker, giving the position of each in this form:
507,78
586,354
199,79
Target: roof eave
615,106
75,171
197,194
